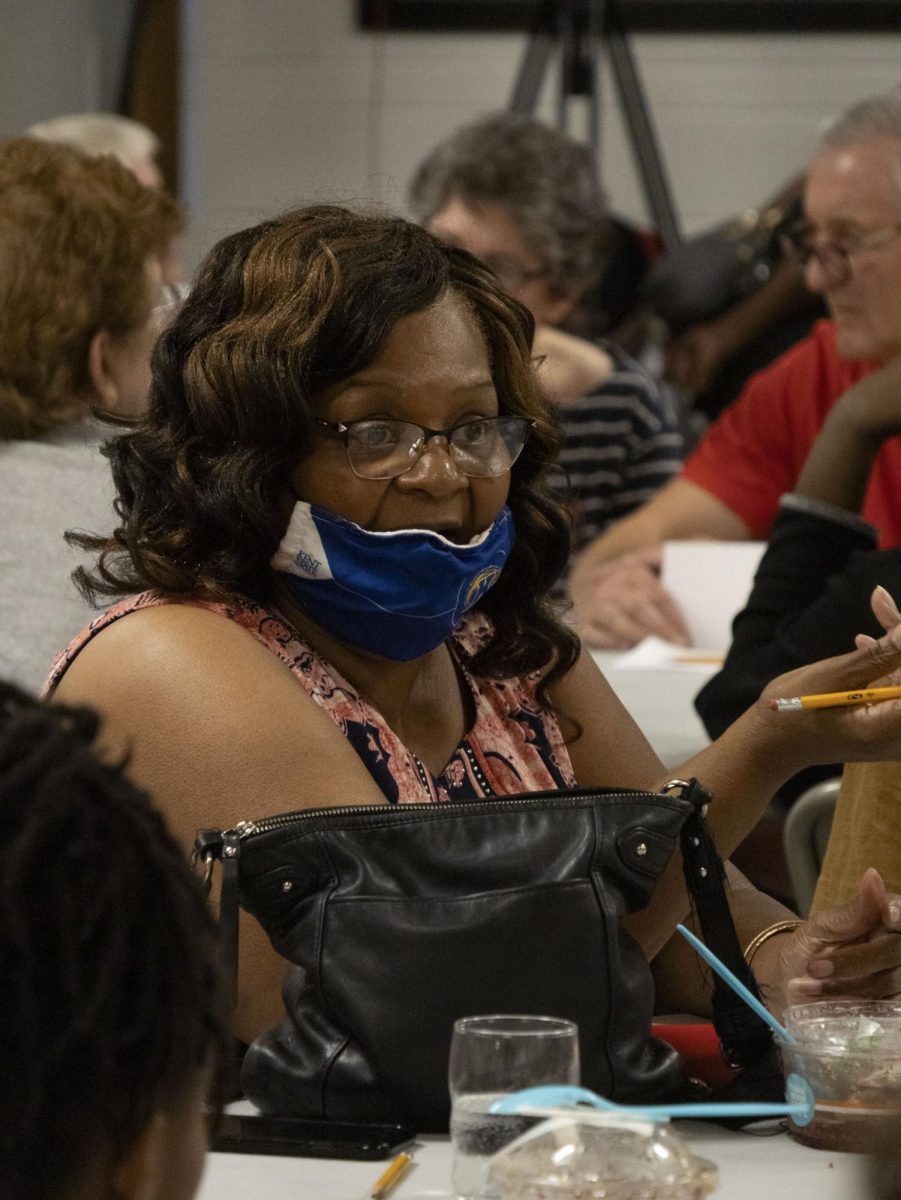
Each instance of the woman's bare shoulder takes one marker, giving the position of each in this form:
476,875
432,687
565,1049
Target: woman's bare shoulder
214,724
168,650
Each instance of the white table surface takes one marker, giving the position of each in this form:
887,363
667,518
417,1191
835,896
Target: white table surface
750,1167
661,703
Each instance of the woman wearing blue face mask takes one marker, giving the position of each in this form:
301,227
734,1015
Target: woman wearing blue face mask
337,524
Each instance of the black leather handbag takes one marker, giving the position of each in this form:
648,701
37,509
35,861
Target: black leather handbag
400,919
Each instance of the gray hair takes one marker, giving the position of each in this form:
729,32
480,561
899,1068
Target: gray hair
548,182
875,117
100,133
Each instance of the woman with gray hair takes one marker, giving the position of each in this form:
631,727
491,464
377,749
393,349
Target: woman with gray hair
135,146
547,185
527,200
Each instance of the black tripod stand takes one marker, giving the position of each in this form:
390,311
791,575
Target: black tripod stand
584,29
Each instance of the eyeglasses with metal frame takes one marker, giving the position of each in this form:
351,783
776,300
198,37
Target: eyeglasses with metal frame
383,448
511,273
799,241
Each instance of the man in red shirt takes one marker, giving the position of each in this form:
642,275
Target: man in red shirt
730,487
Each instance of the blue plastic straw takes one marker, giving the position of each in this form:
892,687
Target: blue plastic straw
565,1097
736,984
552,1096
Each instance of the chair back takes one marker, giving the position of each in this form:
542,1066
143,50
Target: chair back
805,838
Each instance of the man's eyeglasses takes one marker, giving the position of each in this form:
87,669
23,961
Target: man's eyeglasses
511,274
799,241
384,449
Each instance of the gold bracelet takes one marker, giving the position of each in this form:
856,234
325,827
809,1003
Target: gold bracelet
765,934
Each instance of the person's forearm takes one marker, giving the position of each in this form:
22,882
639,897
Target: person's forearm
742,771
766,965
634,532
572,366
745,322
749,762
682,980
681,509
838,467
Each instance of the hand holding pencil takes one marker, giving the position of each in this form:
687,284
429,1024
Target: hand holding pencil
835,699
852,701
886,612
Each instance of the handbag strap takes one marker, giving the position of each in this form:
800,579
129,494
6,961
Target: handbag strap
745,1037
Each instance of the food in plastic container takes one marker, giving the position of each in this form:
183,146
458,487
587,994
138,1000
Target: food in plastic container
848,1053
600,1156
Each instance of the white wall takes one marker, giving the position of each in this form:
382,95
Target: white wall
49,61
287,102
59,56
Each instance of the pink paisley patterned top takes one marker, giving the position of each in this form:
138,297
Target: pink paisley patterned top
512,746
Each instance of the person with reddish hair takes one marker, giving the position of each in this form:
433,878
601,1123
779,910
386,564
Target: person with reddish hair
80,290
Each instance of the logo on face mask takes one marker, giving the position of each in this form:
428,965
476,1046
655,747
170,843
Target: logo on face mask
307,562
483,581
396,594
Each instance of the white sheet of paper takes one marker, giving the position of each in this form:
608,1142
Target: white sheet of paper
711,582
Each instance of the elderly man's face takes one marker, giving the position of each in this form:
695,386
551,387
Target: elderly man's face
850,194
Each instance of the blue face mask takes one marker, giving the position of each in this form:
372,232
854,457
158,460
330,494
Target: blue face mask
397,595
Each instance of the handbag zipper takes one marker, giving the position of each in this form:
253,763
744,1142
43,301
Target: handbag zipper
245,829
225,844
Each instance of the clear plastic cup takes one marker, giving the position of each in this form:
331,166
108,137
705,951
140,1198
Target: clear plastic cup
490,1057
848,1054
600,1156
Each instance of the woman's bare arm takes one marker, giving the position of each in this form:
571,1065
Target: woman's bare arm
682,980
217,730
744,767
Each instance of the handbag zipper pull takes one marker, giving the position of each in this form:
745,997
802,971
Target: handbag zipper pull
207,848
224,845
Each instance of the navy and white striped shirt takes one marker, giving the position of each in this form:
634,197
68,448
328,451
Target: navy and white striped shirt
622,444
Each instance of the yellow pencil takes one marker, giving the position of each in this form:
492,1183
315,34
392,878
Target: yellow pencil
391,1177
837,699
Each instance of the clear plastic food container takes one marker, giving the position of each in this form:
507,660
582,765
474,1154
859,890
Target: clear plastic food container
600,1156
848,1053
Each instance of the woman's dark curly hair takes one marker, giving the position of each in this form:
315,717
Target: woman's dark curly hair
109,988
277,314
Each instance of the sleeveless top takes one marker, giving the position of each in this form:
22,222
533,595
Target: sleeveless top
513,745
